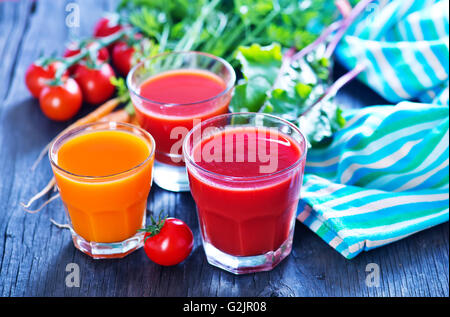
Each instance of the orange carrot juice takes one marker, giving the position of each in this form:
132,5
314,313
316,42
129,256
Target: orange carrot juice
104,173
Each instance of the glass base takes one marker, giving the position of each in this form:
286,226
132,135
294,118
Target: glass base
247,264
114,250
170,177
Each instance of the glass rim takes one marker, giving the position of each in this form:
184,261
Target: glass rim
229,84
76,130
188,156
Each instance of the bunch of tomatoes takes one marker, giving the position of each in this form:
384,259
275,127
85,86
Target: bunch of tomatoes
62,84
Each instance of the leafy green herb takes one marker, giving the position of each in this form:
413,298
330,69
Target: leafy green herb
300,84
121,88
221,26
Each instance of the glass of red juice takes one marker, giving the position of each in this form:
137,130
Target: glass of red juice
245,173
170,93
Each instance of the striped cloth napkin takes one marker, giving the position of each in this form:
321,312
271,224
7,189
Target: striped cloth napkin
406,46
385,175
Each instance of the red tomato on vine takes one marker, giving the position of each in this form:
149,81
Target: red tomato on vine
107,25
95,82
39,74
122,56
62,101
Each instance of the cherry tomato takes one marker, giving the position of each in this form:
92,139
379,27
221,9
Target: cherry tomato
61,102
168,242
38,75
107,25
122,56
95,83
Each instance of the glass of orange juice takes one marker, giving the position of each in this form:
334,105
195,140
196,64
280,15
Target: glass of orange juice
103,172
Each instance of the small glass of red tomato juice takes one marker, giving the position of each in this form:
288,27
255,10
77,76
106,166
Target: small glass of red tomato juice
171,92
245,173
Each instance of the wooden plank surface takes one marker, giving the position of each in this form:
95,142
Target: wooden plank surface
34,253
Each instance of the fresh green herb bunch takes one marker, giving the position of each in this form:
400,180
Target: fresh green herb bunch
221,26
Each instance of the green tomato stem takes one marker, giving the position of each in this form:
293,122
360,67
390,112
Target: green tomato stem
102,42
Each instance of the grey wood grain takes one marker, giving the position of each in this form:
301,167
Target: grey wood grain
34,253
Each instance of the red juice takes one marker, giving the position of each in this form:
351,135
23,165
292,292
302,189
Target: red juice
246,187
172,101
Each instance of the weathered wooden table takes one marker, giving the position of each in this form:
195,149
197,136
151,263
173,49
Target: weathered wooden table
34,253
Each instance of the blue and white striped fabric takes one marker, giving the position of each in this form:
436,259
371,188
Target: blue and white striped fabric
385,175
406,44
